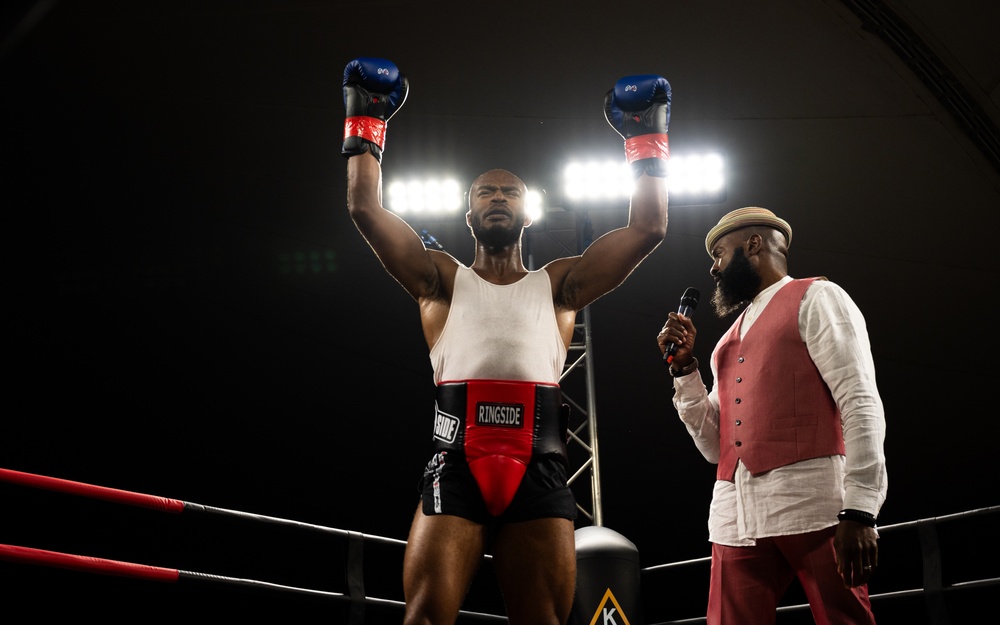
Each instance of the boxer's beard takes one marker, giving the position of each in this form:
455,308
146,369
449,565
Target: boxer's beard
497,236
737,285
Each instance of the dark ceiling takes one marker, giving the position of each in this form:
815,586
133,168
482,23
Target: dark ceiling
192,314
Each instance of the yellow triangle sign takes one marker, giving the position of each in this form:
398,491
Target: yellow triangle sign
609,612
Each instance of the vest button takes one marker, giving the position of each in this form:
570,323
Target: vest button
739,422
739,443
739,401
738,380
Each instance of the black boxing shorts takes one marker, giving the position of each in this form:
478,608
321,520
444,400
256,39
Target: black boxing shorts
500,452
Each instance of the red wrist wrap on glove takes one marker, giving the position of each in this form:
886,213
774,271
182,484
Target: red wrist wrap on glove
369,128
647,146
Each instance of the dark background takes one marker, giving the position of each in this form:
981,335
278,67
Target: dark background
190,312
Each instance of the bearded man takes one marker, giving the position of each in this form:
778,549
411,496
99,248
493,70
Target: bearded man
796,426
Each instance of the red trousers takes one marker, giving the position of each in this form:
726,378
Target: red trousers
748,582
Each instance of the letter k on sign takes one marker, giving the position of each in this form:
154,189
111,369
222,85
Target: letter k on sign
607,611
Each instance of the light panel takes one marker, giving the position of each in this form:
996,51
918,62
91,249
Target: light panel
696,178
597,180
434,197
692,178
431,196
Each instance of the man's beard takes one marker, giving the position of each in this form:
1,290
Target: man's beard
498,235
737,285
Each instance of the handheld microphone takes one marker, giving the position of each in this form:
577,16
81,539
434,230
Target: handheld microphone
429,241
689,301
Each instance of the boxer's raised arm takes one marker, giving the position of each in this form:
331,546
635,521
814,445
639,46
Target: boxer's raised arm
374,90
638,108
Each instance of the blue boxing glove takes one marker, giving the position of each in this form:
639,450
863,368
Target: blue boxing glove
373,91
639,109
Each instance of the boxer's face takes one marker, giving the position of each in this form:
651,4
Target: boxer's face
496,209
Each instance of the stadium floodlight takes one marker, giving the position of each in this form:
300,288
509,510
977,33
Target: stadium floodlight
597,180
425,197
534,204
442,198
696,175
692,179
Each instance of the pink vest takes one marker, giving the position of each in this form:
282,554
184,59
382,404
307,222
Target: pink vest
774,408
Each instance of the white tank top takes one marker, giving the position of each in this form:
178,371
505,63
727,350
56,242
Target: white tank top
500,332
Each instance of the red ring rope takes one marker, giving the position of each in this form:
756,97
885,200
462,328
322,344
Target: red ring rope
89,490
28,555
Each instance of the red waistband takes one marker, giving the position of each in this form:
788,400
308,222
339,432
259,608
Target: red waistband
502,409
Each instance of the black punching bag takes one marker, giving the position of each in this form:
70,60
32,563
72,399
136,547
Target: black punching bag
607,579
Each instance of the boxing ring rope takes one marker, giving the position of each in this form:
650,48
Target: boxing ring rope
355,577
933,589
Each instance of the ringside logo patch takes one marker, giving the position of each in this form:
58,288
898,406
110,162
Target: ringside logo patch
445,425
500,415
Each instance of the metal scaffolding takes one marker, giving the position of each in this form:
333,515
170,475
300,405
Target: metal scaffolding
585,433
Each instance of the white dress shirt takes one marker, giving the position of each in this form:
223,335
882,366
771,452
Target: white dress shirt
807,495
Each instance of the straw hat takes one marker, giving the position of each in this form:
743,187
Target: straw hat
743,217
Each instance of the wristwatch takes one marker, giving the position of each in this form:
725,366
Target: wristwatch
690,368
858,516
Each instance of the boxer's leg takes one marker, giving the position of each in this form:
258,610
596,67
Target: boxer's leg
443,553
535,563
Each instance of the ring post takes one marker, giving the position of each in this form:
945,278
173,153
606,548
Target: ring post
608,579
